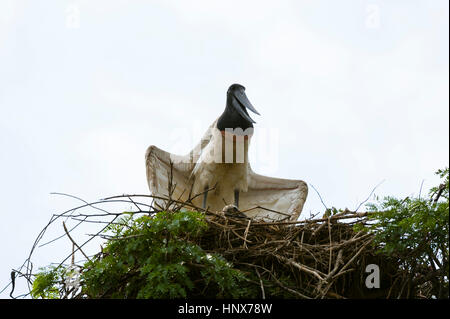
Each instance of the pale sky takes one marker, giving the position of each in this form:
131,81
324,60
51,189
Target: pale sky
351,93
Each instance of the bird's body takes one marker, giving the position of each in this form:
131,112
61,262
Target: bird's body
223,167
218,169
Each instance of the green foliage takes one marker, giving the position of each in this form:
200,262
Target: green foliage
152,257
416,230
45,285
331,212
443,189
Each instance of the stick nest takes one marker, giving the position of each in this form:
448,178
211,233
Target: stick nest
320,258
312,258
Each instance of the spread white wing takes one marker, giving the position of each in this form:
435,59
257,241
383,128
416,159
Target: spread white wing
158,167
273,198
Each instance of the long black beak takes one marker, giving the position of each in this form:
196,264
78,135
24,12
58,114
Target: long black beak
242,104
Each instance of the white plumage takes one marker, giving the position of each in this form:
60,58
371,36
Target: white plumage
220,163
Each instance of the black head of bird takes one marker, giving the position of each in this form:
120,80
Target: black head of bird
235,114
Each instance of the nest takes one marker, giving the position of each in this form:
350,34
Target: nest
322,258
312,258
309,259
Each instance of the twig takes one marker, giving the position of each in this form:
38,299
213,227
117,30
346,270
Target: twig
267,209
368,197
261,283
74,243
420,190
301,267
246,233
326,208
357,254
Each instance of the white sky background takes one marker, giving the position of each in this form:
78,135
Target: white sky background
354,92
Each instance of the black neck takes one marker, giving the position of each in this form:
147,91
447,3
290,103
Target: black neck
230,118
